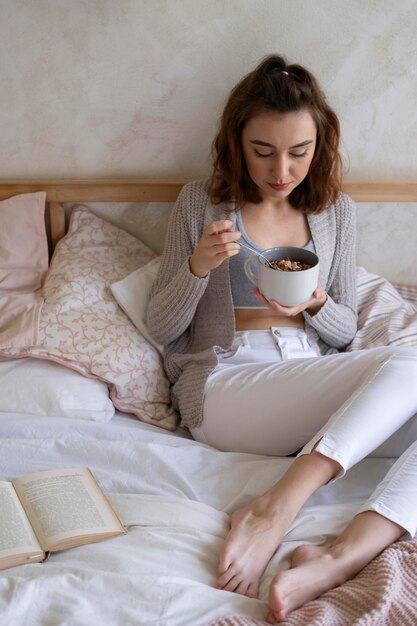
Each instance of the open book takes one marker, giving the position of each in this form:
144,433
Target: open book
52,510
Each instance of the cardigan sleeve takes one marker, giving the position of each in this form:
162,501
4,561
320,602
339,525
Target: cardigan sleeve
336,321
176,292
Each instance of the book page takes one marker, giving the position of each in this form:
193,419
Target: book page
16,534
65,503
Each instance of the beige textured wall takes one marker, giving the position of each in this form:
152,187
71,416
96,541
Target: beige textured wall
134,87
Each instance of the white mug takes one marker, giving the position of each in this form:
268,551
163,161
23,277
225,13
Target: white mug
287,288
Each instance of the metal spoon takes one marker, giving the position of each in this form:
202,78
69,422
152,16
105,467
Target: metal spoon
244,245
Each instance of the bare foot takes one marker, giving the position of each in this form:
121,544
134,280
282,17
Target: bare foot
257,529
314,570
255,534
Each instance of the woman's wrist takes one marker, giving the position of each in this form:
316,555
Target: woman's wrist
312,310
195,270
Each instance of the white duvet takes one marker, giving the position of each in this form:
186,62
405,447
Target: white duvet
175,496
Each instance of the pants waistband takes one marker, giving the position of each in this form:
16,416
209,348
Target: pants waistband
267,337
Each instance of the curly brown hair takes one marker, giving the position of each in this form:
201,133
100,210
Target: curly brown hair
274,85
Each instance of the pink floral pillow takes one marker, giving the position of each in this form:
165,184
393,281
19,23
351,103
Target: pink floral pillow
82,327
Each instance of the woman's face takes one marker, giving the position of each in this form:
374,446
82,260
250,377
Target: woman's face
278,150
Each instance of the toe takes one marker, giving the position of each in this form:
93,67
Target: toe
271,618
225,578
253,590
242,588
233,584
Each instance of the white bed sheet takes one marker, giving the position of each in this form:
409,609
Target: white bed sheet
175,496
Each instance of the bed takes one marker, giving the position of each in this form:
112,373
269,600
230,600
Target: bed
82,384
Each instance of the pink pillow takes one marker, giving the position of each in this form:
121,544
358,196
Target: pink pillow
23,265
82,326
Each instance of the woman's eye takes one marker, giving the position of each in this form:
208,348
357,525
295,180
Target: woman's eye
262,154
299,155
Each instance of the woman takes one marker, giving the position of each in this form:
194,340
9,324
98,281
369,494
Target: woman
251,375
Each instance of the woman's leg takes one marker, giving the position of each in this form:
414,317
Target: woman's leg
391,510
379,407
362,399
276,408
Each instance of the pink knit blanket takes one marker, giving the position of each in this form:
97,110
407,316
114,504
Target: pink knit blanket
384,593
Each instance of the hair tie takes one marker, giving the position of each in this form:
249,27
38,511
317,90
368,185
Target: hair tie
284,72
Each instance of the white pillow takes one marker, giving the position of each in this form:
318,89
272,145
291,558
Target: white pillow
132,295
46,388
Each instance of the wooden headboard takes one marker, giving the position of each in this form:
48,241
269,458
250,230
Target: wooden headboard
163,190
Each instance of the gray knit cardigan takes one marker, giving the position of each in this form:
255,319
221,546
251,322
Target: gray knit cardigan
193,317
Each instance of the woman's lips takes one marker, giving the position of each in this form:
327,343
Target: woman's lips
279,187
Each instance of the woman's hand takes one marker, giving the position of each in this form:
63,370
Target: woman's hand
312,306
217,243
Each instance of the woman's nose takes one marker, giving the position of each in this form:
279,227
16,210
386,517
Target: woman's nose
280,168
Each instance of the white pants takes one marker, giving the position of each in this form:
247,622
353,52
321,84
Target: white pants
272,394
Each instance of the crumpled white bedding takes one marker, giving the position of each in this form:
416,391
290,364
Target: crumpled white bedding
175,496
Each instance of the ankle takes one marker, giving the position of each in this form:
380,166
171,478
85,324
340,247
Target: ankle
277,505
284,500
347,559
368,534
